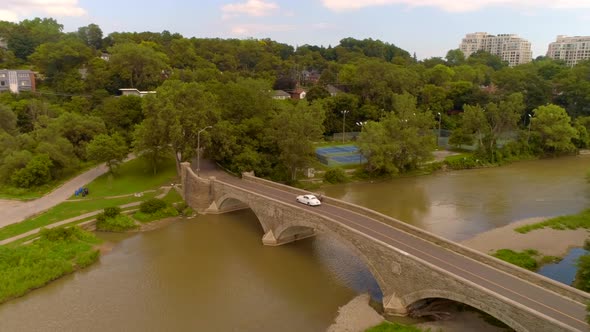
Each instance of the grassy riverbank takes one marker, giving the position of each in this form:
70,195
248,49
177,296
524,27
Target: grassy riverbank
574,221
529,259
56,253
393,327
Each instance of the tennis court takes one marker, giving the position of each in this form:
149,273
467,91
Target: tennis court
340,155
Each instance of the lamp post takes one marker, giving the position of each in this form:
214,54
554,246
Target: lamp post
343,123
361,124
529,135
199,148
439,121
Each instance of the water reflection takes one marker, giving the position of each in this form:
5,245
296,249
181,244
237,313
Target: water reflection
565,270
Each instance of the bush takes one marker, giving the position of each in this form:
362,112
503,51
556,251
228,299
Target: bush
335,175
119,223
152,205
112,212
463,162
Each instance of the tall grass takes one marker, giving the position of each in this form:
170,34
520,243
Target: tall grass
58,252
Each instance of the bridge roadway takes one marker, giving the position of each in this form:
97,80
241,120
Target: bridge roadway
557,307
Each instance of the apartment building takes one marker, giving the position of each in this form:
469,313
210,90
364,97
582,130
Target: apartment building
509,47
16,81
570,49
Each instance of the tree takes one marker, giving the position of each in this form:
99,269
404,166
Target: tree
35,173
7,120
180,110
54,59
489,123
400,141
552,130
141,65
455,57
294,129
111,150
91,35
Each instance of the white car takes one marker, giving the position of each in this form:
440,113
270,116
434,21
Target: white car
309,200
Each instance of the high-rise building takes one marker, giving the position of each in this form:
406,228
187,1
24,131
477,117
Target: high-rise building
508,47
570,49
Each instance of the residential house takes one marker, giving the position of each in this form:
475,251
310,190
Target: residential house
134,92
334,91
298,93
310,77
16,81
281,95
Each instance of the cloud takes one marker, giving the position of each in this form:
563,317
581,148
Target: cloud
457,5
12,10
249,8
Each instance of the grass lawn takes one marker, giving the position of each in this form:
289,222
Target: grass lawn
64,211
132,177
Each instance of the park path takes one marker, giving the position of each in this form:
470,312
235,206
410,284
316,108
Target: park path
15,211
166,189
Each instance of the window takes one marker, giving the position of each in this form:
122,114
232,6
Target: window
2,83
2,75
24,83
23,75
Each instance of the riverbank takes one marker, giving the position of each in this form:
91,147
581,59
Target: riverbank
561,241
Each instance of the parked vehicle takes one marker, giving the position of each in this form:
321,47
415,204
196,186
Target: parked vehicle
309,199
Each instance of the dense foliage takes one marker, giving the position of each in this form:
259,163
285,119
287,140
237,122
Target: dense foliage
57,252
112,220
75,119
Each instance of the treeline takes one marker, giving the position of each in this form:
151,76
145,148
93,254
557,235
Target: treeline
228,84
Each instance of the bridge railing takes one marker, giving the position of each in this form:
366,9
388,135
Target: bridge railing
557,287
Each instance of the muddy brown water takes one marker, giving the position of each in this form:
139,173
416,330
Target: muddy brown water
212,273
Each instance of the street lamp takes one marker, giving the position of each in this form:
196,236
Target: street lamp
199,148
343,123
439,120
529,135
361,124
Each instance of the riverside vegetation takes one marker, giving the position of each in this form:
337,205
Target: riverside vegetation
57,252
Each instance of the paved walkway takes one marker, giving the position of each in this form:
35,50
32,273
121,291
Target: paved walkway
80,217
15,211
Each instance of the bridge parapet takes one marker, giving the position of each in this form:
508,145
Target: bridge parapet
535,278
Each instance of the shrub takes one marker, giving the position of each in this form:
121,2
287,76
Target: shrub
462,162
335,175
152,205
112,212
119,223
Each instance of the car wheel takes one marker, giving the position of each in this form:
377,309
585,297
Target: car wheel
308,203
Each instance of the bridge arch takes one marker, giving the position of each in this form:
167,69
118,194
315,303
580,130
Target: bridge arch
432,293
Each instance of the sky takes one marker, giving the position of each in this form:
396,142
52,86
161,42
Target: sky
427,27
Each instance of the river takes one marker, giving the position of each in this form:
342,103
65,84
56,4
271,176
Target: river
211,273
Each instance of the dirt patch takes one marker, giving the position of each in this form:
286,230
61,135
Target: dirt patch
356,316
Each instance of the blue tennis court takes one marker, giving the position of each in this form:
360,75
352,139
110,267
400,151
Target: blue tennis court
340,155
337,149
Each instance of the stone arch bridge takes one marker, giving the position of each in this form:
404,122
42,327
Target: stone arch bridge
408,263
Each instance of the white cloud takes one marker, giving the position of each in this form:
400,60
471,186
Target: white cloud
249,8
458,5
13,10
